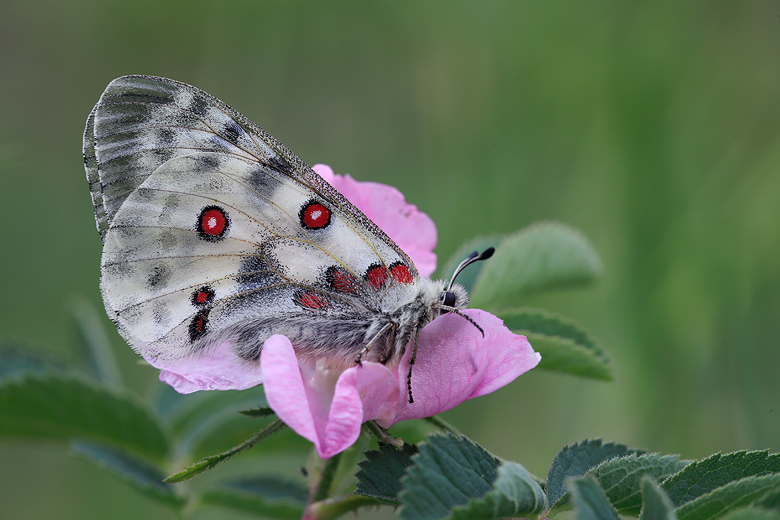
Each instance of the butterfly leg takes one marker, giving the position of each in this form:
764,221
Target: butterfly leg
411,363
373,340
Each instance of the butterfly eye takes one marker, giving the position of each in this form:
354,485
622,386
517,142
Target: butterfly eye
448,300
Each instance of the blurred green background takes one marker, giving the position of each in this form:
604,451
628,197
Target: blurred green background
654,127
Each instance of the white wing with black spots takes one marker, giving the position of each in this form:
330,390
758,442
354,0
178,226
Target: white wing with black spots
213,231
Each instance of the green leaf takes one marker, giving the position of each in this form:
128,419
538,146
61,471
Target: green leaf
514,492
94,340
380,474
211,461
543,256
656,503
576,460
770,501
205,423
590,503
753,513
727,498
267,496
718,470
451,477
144,478
64,408
17,361
185,412
447,472
469,275
564,346
621,477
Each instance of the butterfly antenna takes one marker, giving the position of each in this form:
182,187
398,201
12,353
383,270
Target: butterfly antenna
473,257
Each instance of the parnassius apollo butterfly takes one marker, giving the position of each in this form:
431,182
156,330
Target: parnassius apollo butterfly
213,231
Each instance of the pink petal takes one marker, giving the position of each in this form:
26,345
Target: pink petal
317,406
216,369
455,363
362,393
411,229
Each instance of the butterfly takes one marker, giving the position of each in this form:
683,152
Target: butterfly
213,231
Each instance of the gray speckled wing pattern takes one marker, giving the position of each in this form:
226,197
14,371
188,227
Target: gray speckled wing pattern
214,231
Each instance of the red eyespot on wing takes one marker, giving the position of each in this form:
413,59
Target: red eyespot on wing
313,300
376,276
342,281
314,215
203,296
401,274
198,325
213,223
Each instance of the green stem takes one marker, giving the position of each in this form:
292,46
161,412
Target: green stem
325,480
442,424
382,435
335,507
209,462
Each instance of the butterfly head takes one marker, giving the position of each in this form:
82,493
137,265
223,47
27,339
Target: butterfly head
455,296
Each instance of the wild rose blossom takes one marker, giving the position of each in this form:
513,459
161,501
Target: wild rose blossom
454,361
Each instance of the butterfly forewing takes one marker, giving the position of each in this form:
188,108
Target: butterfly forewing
214,231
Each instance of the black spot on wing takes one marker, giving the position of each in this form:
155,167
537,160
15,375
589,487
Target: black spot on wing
262,182
159,275
166,137
280,165
198,106
232,132
255,273
208,162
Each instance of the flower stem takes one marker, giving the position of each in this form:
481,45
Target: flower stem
325,479
382,435
335,507
442,424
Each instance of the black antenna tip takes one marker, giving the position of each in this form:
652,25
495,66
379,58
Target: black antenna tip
487,253
472,255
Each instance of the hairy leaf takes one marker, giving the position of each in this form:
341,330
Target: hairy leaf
543,256
590,503
576,460
655,502
515,492
65,408
452,477
564,346
263,495
141,476
17,361
722,500
718,470
621,477
380,474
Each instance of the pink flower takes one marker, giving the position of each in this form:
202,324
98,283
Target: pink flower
410,228
454,361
